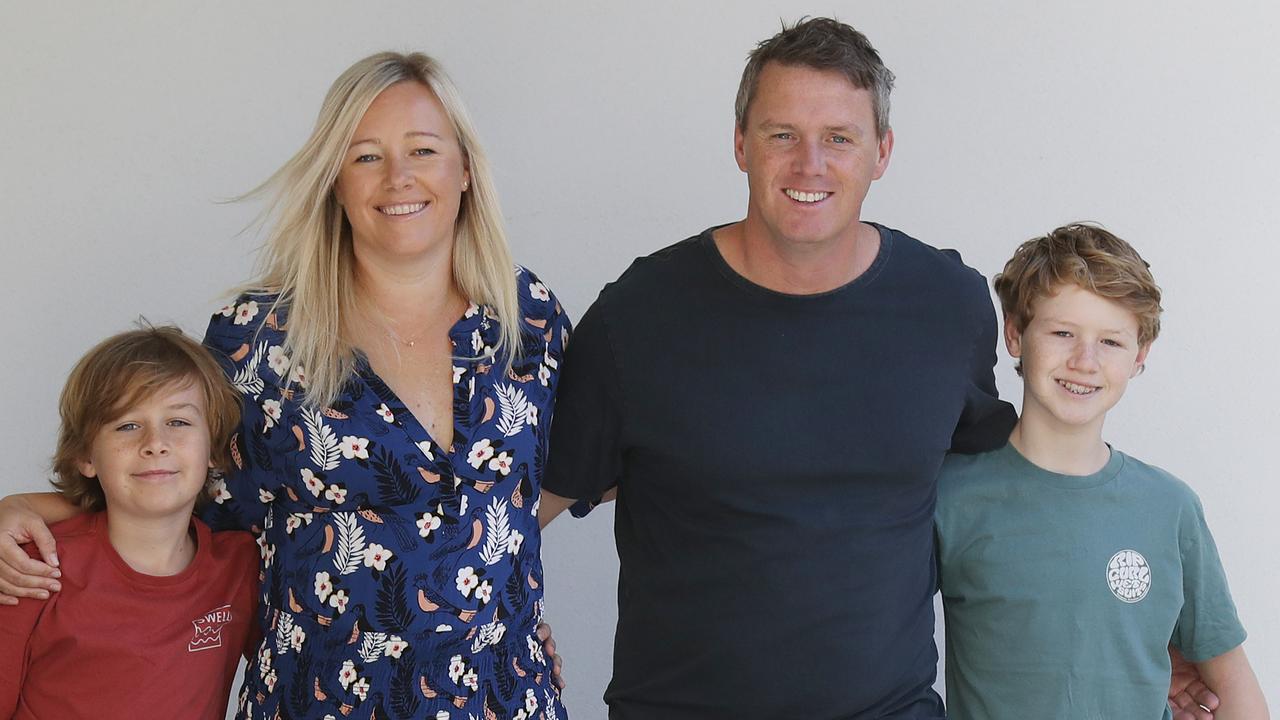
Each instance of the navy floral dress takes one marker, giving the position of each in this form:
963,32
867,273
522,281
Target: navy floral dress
400,579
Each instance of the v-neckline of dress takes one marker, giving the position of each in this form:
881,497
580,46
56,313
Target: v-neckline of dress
463,333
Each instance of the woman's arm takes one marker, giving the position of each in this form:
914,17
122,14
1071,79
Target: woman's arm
26,519
1233,680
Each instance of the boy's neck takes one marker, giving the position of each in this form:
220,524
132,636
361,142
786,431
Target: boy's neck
153,546
1073,451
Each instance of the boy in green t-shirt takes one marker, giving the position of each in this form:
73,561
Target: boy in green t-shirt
1067,568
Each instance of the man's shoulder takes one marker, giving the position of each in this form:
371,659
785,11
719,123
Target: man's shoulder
940,265
659,268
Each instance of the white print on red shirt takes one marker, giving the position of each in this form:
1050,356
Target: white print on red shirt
209,629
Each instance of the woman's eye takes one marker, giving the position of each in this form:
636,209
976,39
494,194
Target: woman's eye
366,158
178,422
1062,333
423,152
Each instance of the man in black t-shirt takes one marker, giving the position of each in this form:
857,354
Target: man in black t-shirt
772,400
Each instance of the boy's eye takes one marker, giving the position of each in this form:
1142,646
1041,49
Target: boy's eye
1062,333
125,427
178,422
1113,343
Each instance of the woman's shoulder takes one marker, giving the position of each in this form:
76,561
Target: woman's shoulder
249,319
537,301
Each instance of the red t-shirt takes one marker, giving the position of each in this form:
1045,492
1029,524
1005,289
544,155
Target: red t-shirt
116,643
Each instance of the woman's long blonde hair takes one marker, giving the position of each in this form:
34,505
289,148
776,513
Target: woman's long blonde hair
307,258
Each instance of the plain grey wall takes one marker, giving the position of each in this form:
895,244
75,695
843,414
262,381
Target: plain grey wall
610,128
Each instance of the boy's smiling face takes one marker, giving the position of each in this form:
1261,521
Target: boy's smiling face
1078,354
152,459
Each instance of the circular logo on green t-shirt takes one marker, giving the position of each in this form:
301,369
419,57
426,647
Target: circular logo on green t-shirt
1129,576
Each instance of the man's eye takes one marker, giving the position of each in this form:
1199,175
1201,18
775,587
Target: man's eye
782,136
839,139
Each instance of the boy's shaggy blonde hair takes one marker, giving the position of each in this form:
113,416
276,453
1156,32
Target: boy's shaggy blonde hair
122,371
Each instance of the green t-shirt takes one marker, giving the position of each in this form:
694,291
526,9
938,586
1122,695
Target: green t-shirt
1063,592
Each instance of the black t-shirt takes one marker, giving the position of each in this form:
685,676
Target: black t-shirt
776,460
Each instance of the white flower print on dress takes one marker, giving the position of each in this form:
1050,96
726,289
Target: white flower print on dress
456,668
514,541
338,600
219,492
265,496
457,374
544,374
361,688
324,586
245,312
376,557
227,310
355,447
538,291
295,521
298,375
394,647
385,413
271,411
336,493
530,701
476,341
270,681
471,680
467,580
296,638
278,361
480,451
428,522
347,674
484,592
443,628
535,651
425,447
531,414
501,463
311,482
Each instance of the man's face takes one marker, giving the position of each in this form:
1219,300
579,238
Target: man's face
810,152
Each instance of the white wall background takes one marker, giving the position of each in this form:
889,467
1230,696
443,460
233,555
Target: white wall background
610,126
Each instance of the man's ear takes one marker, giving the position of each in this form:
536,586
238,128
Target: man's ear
739,147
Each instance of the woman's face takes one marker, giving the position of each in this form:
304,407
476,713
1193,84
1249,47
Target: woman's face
402,177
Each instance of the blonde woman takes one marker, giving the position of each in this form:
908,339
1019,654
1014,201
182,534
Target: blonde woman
397,373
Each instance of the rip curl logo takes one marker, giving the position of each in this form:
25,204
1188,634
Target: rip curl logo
1129,576
209,629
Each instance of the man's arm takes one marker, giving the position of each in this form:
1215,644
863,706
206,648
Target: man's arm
26,519
550,506
1236,686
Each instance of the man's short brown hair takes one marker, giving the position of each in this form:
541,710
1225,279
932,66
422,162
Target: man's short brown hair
821,44
122,371
1085,255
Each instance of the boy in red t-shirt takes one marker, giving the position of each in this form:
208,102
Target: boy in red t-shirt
154,610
